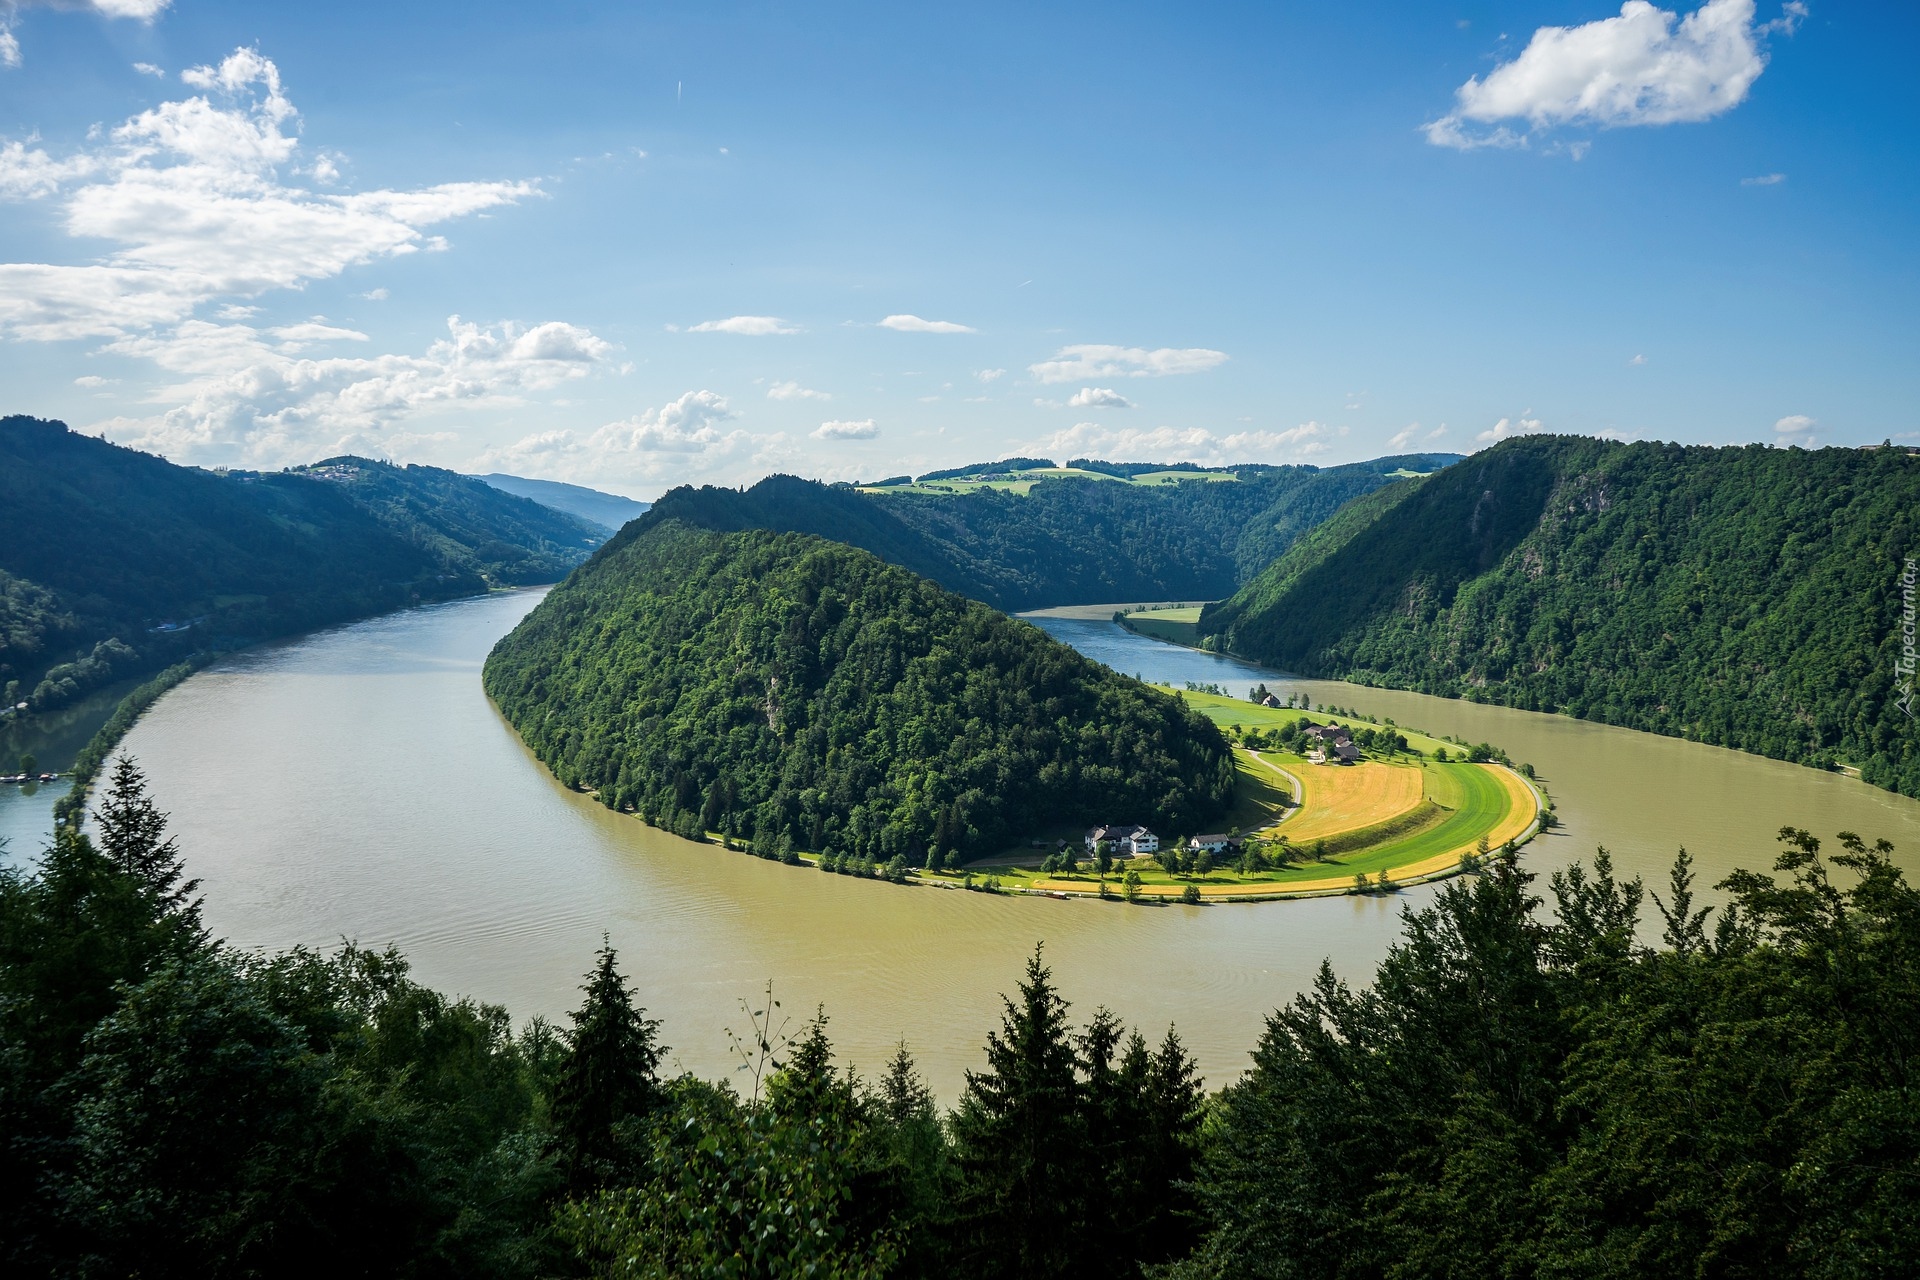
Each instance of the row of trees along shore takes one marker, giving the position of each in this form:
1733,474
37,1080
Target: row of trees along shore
1521,1091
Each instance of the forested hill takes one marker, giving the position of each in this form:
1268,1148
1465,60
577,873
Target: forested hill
1067,541
114,562
1748,597
784,688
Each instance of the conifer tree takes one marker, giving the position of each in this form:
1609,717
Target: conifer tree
607,1079
133,836
1020,1135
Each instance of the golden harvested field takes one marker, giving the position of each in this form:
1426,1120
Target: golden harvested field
1343,798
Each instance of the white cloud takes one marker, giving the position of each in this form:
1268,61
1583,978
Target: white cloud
148,69
747,326
244,398
1637,361
1764,180
847,430
1084,361
1648,66
989,375
190,196
1795,428
1188,444
294,337
914,324
1507,428
143,10
1098,398
375,295
1401,439
681,437
91,380
794,391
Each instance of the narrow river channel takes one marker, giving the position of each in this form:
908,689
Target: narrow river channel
357,784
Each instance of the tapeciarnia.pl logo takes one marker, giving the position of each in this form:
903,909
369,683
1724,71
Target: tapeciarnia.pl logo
1903,666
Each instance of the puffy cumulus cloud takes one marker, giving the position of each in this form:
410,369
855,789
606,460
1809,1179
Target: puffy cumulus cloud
686,425
1648,66
746,326
914,324
251,396
1507,428
683,438
1085,361
794,391
863,429
190,195
1098,398
1196,444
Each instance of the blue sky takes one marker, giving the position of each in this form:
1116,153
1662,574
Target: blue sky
638,245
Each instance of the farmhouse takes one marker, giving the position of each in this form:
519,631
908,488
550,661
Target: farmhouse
1211,843
1130,839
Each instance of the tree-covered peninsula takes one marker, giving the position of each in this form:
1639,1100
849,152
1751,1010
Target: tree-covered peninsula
799,693
1748,597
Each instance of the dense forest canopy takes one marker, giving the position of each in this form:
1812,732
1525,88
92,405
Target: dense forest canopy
1068,541
780,687
1519,1094
115,562
1748,597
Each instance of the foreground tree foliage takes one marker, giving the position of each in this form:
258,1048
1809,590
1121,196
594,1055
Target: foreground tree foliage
1519,1093
782,688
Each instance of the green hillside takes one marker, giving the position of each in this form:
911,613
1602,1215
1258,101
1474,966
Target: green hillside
1062,540
465,522
1748,597
782,687
115,562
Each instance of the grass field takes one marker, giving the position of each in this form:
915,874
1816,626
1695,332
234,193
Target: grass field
1024,480
1341,798
1413,819
1181,626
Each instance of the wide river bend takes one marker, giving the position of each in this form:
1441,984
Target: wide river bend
356,783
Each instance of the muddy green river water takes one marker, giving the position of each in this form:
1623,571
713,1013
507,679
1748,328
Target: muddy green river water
356,783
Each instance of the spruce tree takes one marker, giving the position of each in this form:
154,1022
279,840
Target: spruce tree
132,833
607,1080
1020,1139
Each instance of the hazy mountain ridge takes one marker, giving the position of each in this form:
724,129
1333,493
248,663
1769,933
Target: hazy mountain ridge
608,510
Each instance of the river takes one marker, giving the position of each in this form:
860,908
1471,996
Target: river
356,783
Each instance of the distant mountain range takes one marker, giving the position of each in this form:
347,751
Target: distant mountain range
1749,597
608,510
1064,540
114,562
